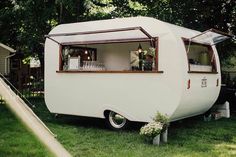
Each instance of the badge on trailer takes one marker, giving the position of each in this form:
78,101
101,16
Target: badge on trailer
204,82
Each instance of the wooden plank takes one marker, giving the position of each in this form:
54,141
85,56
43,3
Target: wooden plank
202,72
111,71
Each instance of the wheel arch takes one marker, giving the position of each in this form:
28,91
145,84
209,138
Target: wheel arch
124,114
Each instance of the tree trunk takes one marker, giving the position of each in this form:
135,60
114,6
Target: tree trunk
61,13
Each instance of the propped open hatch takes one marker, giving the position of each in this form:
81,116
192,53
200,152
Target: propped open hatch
211,37
102,36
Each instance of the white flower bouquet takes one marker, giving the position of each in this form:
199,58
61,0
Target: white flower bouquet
151,129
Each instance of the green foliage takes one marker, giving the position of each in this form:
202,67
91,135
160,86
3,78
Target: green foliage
199,15
23,23
159,117
227,51
8,24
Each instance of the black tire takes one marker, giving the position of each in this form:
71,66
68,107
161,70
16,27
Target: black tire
116,121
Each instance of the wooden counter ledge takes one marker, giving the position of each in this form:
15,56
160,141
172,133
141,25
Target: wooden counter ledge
109,71
201,72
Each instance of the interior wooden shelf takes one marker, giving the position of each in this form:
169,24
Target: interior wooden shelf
202,72
109,71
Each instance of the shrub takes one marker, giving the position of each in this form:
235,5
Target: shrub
163,119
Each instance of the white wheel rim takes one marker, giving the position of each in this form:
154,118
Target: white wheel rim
116,120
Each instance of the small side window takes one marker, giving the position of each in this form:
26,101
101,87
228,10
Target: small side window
201,57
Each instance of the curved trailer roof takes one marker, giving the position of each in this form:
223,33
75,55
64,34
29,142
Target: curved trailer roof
128,29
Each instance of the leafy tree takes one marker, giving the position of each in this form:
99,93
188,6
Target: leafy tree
8,23
200,15
24,23
36,20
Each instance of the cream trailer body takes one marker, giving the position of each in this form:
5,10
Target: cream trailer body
130,68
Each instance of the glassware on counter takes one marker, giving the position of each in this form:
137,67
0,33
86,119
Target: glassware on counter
92,66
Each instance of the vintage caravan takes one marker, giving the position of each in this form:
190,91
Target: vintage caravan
127,69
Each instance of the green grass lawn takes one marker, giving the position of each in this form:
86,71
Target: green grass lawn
15,140
88,137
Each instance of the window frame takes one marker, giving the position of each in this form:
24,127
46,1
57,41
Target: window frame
153,42
212,54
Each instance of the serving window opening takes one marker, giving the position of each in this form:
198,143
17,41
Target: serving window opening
129,49
201,57
109,57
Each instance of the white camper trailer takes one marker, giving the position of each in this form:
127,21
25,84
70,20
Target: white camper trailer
130,68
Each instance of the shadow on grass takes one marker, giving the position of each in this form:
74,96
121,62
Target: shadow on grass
87,122
188,124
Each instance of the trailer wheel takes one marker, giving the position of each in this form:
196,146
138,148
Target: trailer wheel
116,121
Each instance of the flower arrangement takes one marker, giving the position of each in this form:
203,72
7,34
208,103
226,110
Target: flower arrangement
158,126
152,52
151,129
